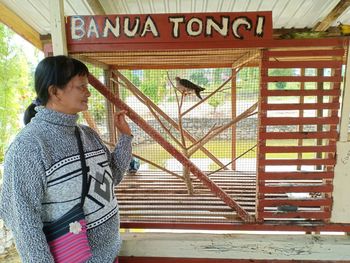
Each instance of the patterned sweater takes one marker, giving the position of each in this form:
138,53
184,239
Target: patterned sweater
43,179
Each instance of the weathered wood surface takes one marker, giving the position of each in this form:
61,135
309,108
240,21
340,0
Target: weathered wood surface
237,246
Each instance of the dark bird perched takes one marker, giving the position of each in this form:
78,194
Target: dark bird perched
187,87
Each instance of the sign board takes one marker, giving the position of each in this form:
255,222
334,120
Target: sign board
170,30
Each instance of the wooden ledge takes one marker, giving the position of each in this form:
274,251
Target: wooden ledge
189,247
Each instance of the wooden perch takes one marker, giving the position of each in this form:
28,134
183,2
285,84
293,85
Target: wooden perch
158,166
149,162
220,129
131,87
153,112
212,186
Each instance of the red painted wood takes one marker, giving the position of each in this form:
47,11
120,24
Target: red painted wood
303,64
164,29
302,203
332,135
298,162
296,189
297,149
305,53
296,93
300,106
296,175
301,79
100,47
299,120
268,225
171,149
299,214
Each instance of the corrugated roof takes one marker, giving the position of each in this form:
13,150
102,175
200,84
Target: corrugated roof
286,13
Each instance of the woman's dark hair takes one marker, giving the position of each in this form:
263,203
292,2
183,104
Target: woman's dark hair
53,71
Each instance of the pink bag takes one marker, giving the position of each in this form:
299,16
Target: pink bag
67,237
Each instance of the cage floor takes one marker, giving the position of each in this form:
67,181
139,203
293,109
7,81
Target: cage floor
154,196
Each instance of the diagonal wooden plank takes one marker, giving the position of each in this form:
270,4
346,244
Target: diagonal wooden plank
212,186
332,16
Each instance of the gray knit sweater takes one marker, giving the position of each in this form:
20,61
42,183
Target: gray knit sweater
42,181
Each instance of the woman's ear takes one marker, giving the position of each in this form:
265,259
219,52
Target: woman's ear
53,92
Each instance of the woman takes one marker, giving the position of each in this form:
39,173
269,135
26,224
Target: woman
43,179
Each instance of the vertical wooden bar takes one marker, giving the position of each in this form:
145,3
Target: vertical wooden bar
320,86
301,114
262,129
233,115
110,109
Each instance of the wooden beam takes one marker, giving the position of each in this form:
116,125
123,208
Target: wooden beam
17,24
58,29
228,247
332,16
96,7
91,61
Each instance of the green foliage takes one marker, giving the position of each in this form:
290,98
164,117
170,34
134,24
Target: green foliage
153,84
281,72
15,94
248,79
216,100
280,85
199,78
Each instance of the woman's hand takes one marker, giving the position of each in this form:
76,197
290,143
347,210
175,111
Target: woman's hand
120,122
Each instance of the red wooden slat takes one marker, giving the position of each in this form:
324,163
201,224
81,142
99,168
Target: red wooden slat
301,79
296,189
305,203
298,135
302,64
297,149
283,93
295,175
309,215
113,47
306,53
299,120
298,162
267,226
300,106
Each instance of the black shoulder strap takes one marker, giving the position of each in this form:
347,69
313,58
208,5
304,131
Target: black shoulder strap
84,168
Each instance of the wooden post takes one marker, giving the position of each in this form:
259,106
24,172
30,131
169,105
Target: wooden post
233,113
320,86
110,109
58,30
345,108
301,114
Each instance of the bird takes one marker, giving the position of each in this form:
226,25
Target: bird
187,87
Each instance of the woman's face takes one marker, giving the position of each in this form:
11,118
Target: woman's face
75,96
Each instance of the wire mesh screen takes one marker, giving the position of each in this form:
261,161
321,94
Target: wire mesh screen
215,127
